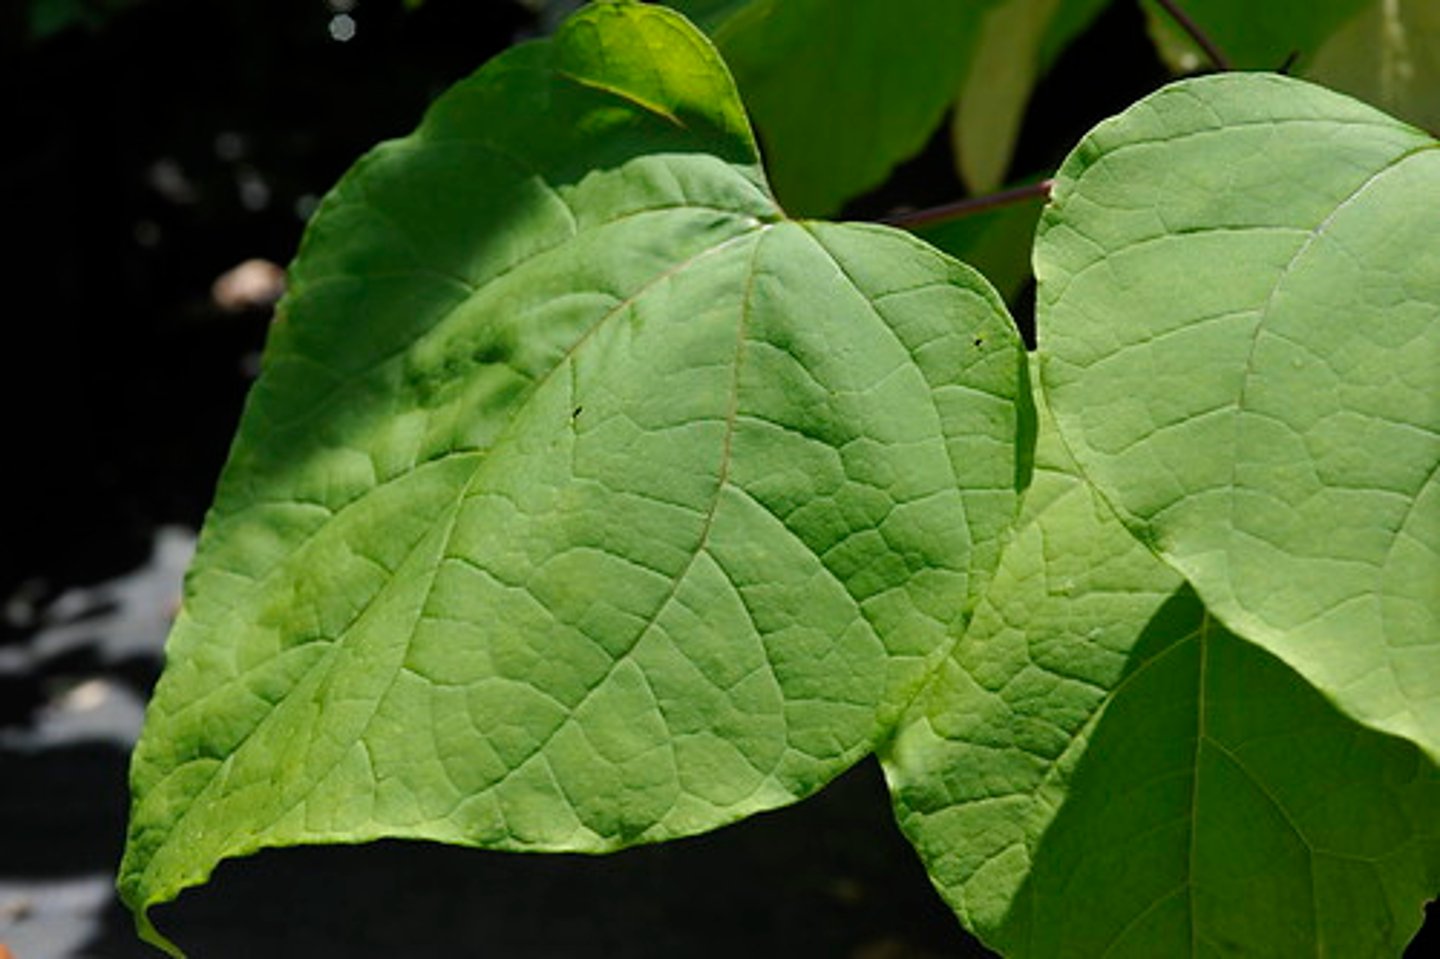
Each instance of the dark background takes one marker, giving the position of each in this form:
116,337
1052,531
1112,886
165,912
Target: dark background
155,146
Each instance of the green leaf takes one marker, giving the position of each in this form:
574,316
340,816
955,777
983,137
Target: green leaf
583,501
1239,315
842,92
1389,56
1018,42
1102,769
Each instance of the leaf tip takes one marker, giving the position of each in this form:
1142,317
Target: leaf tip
146,930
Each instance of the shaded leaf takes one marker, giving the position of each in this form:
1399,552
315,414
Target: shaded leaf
1389,56
1253,36
1018,42
583,501
1385,52
842,92
1239,314
1102,769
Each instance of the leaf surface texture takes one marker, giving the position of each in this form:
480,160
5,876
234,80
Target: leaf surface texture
1239,316
1102,769
583,500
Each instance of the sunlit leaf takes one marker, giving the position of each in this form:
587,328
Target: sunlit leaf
1102,769
583,500
1239,318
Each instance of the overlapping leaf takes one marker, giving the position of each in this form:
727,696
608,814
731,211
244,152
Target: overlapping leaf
1102,769
583,501
1239,320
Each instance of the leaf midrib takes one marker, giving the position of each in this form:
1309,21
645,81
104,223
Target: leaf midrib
709,515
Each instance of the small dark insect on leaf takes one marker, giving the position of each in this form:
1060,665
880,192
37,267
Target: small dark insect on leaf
576,413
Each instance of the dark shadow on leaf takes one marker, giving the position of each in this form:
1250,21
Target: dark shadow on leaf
1286,787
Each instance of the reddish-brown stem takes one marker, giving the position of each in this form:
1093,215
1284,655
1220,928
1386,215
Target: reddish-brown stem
1201,38
969,206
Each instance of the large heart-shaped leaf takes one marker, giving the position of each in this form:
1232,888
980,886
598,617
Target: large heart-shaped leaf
1102,769
1239,316
582,501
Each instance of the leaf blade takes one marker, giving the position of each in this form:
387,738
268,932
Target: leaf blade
1102,768
514,548
1264,285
